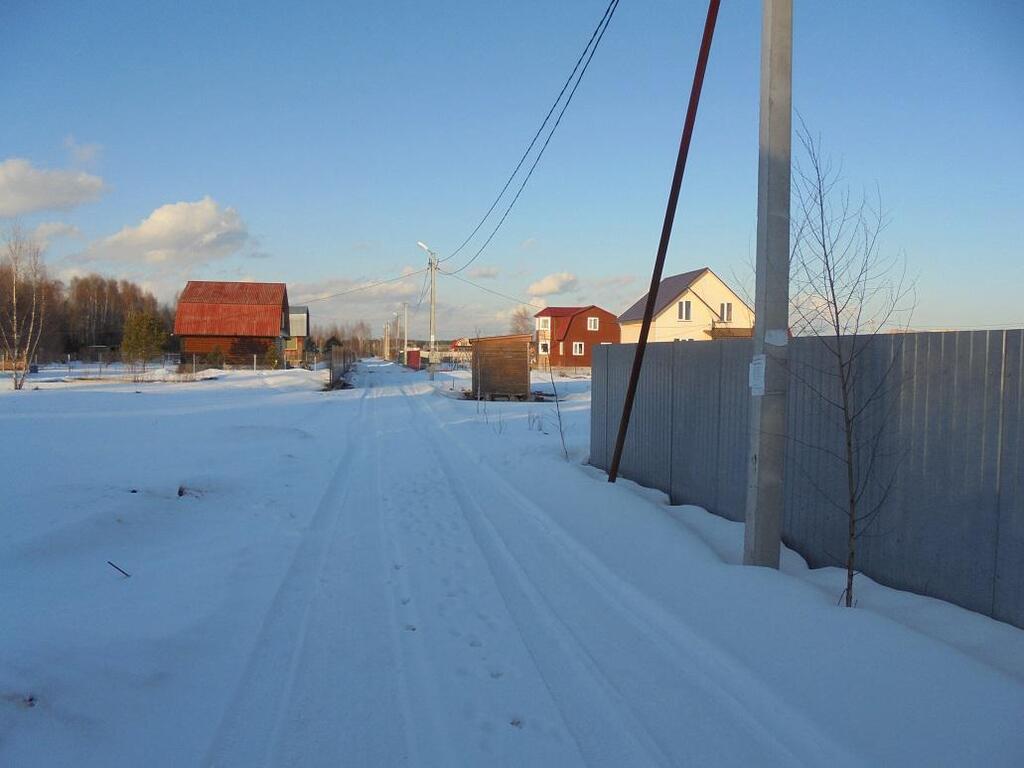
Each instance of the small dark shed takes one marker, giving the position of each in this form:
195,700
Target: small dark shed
501,366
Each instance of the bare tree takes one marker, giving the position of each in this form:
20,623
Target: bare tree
23,289
845,292
521,320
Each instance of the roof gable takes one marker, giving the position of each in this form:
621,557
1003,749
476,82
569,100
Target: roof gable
668,290
214,308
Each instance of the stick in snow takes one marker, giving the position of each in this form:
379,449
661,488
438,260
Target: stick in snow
122,570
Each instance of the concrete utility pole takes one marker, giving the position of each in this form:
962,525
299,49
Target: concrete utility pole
432,266
769,372
405,326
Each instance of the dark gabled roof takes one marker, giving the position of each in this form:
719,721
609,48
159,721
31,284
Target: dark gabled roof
216,308
668,290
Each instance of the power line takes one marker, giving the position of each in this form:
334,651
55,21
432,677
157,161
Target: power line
609,9
490,290
423,292
614,5
365,287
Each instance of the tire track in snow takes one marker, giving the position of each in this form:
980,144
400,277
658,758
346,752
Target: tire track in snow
256,721
719,676
608,732
503,714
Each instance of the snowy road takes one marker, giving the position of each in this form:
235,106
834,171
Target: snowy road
443,615
456,594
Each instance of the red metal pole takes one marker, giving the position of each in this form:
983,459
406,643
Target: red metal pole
666,234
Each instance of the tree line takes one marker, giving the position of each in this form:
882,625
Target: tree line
89,311
45,319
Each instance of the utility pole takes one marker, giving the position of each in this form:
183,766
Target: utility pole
432,266
769,371
405,325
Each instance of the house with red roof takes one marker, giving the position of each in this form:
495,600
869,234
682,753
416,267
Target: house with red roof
238,319
566,336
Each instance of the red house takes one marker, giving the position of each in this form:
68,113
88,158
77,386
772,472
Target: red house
239,319
566,336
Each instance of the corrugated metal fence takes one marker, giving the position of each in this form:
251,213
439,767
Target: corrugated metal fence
948,415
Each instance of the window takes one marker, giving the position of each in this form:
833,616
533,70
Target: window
725,311
577,348
543,323
561,348
684,310
592,323
291,344
544,348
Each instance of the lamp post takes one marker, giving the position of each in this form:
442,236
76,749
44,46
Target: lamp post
432,265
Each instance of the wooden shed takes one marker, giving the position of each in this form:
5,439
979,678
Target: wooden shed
238,319
501,367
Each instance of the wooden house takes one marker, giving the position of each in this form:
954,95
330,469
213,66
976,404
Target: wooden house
692,306
238,319
501,367
566,336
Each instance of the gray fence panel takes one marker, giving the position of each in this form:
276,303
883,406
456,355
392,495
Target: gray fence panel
647,453
813,518
948,479
599,406
734,428
696,406
1008,590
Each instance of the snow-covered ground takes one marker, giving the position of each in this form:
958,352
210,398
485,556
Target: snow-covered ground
389,575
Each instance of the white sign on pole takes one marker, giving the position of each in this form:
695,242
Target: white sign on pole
756,376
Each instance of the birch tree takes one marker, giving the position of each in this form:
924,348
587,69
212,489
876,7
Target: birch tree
22,302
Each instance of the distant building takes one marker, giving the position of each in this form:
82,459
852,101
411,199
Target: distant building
566,336
239,319
693,306
298,332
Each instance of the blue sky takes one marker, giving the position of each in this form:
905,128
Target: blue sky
315,143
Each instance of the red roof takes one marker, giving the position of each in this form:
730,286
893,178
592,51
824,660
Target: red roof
213,308
561,311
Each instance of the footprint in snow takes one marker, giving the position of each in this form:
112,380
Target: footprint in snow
410,627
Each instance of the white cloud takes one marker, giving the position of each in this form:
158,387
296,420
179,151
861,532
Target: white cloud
81,153
176,237
484,273
27,189
48,231
559,282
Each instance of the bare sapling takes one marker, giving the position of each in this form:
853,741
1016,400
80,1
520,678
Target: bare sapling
558,413
845,292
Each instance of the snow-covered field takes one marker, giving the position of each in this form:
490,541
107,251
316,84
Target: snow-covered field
389,575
